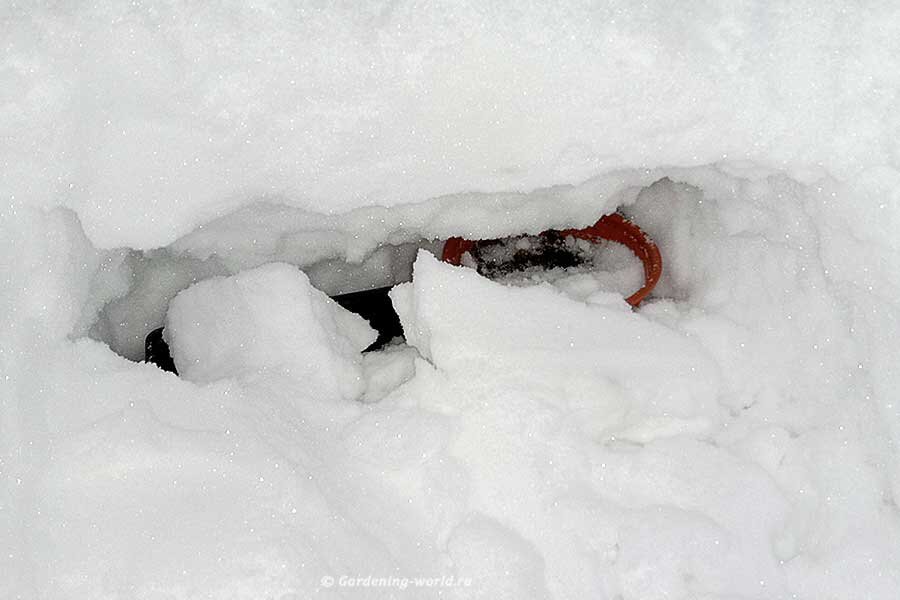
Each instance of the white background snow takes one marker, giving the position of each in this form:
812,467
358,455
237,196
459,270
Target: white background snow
735,437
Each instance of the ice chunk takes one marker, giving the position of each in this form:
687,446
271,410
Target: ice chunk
269,318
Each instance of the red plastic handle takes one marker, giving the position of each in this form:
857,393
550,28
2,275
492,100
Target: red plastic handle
612,227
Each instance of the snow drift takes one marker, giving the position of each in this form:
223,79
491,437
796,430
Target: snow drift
735,437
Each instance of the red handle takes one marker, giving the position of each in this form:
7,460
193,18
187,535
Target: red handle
612,227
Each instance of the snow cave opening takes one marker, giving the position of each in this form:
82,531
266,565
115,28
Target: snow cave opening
675,210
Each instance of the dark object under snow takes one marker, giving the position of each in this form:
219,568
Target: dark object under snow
372,305
548,250
375,307
156,351
497,258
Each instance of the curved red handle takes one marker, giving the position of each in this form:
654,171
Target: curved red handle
612,227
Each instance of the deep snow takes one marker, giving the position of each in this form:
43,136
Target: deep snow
736,437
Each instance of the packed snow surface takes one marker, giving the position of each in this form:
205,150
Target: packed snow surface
220,169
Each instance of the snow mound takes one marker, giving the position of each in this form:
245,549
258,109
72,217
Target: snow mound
464,322
267,318
735,437
586,435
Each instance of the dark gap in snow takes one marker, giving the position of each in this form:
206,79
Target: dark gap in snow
149,280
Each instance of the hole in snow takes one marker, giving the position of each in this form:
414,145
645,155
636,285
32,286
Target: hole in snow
157,276
144,282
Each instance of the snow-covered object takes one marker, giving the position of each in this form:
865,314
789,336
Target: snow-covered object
267,318
736,437
756,142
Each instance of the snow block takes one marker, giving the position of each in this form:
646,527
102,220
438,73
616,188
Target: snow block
268,318
465,323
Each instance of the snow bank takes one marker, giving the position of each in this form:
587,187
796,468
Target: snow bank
267,318
201,109
736,437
